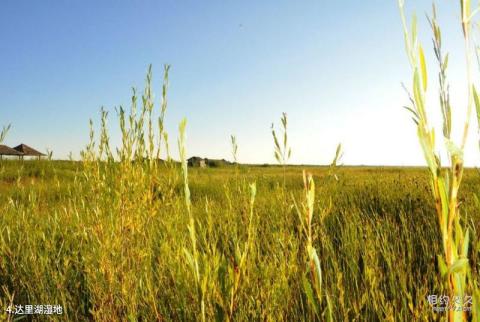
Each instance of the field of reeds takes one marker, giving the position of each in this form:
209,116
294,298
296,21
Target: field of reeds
107,247
129,234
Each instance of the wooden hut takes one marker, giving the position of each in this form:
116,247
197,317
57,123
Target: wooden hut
25,150
7,151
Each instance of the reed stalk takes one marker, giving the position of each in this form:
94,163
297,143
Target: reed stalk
445,180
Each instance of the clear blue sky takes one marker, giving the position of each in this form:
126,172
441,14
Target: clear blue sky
335,67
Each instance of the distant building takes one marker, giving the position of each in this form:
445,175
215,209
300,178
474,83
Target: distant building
205,162
27,151
19,151
197,162
7,151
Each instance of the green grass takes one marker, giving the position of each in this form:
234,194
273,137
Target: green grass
103,253
445,180
120,236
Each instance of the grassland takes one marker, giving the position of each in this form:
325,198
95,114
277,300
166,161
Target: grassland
107,247
121,236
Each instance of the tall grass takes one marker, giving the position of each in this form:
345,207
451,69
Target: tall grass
7,299
313,285
123,255
445,181
282,151
4,132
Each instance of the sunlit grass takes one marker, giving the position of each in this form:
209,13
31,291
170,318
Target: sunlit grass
128,233
453,264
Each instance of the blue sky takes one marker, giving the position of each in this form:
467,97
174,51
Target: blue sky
334,67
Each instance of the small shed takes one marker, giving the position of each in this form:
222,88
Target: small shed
8,151
25,150
197,162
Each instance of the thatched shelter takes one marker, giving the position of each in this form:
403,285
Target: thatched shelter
25,150
7,151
